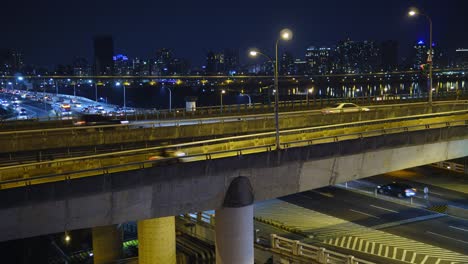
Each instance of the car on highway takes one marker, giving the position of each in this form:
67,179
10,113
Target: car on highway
344,108
401,190
167,156
22,116
98,120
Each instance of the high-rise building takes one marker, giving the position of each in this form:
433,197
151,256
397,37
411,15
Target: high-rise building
461,58
389,55
161,64
140,67
287,66
319,60
420,53
80,67
11,61
357,56
122,65
300,66
179,66
103,55
231,61
214,63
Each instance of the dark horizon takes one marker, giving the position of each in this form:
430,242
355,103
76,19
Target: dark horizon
50,33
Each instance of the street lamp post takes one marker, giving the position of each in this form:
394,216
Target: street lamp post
413,12
170,99
285,34
221,97
74,89
248,96
310,90
124,97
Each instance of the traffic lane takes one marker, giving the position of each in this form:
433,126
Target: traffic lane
405,221
436,194
445,232
34,111
354,207
370,186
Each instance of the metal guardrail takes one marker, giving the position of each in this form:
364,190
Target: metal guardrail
319,254
230,152
452,166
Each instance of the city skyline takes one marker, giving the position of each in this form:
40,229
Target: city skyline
55,33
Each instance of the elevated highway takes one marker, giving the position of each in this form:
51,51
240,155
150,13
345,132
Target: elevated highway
34,145
111,188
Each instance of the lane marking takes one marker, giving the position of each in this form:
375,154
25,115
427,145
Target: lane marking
436,193
359,212
459,228
375,206
323,194
458,240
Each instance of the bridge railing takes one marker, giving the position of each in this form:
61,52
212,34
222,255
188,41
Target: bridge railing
285,105
460,168
65,169
453,105
283,245
319,254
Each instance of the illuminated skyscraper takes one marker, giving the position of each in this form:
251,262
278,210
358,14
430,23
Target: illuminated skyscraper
357,56
320,60
287,66
419,54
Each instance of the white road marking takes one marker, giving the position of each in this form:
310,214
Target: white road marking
436,193
459,228
375,206
458,240
324,194
359,212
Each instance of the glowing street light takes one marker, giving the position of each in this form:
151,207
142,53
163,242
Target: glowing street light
124,95
285,34
415,12
67,237
221,96
309,91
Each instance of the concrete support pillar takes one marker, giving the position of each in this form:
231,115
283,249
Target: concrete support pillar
157,241
234,225
107,244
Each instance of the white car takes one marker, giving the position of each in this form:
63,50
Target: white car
22,116
344,108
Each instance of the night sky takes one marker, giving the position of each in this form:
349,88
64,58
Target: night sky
51,31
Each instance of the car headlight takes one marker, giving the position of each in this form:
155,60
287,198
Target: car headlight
180,154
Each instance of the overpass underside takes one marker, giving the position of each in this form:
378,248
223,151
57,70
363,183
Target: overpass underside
152,192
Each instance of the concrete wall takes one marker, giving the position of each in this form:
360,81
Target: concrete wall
79,137
196,186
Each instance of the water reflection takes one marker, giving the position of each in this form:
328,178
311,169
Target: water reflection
412,88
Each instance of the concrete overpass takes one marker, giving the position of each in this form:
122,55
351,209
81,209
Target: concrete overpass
147,132
226,174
